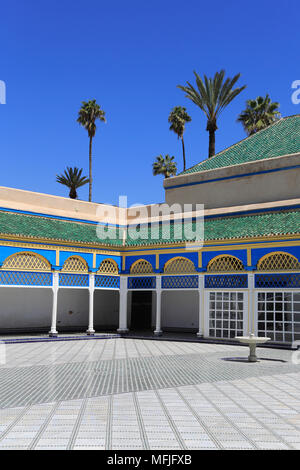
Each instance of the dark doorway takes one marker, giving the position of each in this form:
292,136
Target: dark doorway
141,310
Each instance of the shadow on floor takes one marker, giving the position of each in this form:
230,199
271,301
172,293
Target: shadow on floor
245,359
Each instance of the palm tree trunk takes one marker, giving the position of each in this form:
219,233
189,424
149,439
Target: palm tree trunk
183,154
212,143
73,193
90,164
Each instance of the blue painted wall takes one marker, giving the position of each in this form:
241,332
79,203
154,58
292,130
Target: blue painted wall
6,251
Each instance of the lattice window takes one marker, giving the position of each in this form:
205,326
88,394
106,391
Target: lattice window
226,314
75,264
180,282
19,278
110,282
141,282
76,280
231,281
278,262
26,261
274,281
180,265
108,266
225,263
278,315
141,267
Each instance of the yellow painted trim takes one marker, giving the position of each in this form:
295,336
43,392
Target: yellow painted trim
57,257
279,241
102,247
200,259
218,248
157,261
26,245
94,260
123,262
249,257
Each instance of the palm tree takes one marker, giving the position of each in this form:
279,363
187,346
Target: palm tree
164,166
72,179
178,118
259,113
88,114
212,96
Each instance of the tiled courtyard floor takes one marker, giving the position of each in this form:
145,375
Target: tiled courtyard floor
146,394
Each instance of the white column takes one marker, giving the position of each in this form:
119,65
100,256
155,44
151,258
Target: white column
123,306
251,305
158,330
200,333
90,330
53,331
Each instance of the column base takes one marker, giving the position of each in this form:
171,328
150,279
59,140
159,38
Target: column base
158,332
122,330
253,359
200,335
53,334
90,332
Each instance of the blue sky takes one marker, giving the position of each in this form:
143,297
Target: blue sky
130,56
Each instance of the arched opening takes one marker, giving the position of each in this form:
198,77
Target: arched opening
225,263
141,267
179,265
108,266
75,264
26,261
279,261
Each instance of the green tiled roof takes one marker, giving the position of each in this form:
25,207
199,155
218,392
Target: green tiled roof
221,228
281,138
51,229
246,226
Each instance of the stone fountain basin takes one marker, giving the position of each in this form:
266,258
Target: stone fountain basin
252,339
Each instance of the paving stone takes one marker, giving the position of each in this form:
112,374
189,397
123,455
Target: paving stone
137,394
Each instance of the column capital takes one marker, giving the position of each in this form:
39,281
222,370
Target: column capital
201,281
123,282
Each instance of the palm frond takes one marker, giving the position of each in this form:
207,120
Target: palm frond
259,114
